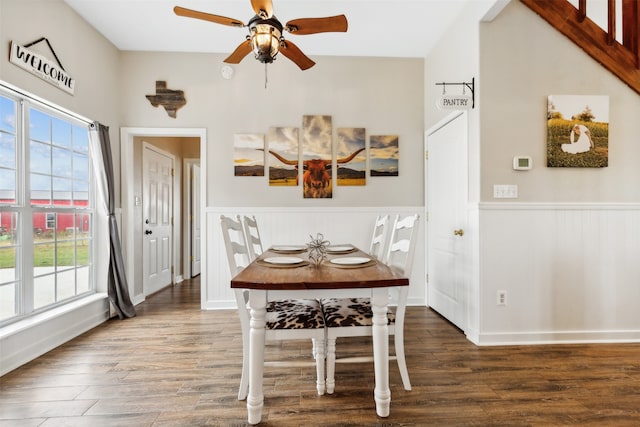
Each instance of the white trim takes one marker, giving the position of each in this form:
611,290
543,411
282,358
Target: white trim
30,338
186,210
320,209
505,206
127,135
44,102
558,337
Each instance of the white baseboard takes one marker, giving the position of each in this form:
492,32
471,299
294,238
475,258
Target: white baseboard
558,337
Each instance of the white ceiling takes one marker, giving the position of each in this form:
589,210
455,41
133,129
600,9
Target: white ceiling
386,28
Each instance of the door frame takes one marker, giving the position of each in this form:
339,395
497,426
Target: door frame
186,209
127,200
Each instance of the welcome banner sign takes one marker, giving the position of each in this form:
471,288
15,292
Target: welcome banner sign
42,67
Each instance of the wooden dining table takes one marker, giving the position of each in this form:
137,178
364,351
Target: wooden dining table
268,281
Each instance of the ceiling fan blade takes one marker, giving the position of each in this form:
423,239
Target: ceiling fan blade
188,13
330,24
262,8
241,51
292,52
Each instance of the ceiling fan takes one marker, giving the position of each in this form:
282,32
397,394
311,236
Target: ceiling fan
265,37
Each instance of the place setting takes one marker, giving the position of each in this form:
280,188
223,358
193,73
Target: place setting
282,261
350,262
340,249
288,249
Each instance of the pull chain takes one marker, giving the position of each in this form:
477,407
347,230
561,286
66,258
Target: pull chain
265,75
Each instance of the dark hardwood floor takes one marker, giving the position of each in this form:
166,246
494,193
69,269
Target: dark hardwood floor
176,365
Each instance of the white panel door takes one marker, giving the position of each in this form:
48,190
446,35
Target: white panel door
447,196
157,182
195,221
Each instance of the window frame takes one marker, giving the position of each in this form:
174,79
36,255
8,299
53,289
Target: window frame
25,242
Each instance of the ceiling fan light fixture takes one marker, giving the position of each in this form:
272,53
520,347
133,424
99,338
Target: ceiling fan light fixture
265,41
265,33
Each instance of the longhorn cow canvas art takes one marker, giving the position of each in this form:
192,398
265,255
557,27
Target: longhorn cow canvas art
317,136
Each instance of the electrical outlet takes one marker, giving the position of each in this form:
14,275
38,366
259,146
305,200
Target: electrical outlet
502,298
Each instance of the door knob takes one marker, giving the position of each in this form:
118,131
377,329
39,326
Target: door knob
148,232
459,232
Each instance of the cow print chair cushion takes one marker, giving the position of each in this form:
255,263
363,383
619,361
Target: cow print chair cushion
350,312
294,314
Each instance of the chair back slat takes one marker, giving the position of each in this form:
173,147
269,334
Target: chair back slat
235,244
402,244
252,235
379,237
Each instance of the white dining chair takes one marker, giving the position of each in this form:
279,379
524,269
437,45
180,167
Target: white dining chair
352,317
285,319
379,237
252,235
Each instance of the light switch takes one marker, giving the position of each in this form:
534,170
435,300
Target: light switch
505,191
137,201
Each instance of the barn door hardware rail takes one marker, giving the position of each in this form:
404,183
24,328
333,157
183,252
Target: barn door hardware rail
465,85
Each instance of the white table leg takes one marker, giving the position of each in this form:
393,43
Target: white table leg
382,394
255,399
331,365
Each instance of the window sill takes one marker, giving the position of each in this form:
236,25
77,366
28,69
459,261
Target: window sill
30,338
49,315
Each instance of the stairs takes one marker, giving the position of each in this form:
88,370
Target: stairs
622,59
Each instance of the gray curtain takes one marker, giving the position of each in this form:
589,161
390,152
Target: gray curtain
118,289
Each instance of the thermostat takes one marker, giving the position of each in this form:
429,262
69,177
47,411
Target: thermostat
522,163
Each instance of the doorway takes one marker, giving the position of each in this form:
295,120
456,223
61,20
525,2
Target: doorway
193,222
447,199
132,199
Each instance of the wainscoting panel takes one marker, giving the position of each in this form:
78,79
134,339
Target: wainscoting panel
571,273
295,226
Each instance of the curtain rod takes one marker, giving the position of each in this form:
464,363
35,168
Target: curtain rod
44,102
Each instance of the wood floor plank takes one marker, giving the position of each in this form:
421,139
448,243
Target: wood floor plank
177,365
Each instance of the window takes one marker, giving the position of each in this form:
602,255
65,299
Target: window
46,207
51,221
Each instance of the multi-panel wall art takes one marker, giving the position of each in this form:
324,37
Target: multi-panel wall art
287,149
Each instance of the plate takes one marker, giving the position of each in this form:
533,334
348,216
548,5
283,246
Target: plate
340,248
350,260
288,248
283,260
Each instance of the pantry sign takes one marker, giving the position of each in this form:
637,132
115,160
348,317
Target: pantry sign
40,66
455,102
